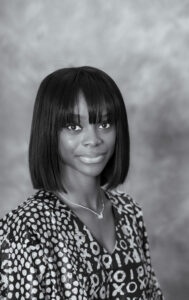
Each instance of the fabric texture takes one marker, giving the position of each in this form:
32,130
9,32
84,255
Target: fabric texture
47,252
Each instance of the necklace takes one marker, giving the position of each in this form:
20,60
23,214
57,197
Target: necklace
99,215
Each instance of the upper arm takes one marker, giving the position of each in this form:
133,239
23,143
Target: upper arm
154,287
22,268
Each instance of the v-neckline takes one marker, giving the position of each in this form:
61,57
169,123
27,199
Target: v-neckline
86,228
96,240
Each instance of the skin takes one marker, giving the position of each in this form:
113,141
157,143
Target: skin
81,173
80,148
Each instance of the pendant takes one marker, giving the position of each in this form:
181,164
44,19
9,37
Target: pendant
100,216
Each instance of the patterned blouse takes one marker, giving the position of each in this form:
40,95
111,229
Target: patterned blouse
47,252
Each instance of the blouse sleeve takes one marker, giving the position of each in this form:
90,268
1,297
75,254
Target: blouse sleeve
22,268
155,292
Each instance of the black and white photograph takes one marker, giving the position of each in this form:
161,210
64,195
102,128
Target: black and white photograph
94,150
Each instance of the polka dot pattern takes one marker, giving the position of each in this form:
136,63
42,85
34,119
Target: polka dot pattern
46,252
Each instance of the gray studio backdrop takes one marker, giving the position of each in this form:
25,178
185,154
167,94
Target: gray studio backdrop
144,46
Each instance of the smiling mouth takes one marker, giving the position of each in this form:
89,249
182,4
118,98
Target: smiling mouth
92,160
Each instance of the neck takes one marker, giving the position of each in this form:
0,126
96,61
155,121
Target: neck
83,191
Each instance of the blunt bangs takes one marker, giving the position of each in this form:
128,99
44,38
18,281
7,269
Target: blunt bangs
96,93
56,106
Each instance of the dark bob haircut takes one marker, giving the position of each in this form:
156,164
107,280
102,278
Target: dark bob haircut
54,107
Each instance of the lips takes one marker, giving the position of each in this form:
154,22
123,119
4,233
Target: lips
92,159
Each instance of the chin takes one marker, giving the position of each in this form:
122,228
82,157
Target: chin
92,170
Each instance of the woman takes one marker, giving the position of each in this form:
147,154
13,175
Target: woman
76,237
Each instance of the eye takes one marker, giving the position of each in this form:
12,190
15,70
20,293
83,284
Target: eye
105,125
73,127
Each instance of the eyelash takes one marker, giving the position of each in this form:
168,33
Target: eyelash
75,125
72,125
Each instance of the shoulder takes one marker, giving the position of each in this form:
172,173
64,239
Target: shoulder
127,207
25,217
124,201
129,211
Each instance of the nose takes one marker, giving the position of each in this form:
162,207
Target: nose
92,136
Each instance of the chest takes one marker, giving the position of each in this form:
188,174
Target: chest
103,230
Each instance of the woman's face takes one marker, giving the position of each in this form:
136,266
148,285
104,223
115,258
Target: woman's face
86,148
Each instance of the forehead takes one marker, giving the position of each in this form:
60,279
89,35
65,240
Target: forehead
81,108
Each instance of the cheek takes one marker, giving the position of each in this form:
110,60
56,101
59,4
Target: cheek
68,147
110,142
112,146
113,139
67,142
64,148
